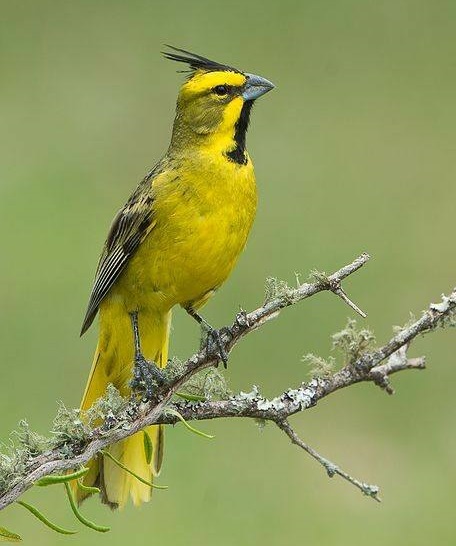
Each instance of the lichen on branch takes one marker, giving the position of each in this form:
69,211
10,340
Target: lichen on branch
196,390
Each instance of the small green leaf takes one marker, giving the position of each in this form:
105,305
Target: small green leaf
142,480
191,397
44,519
148,446
192,429
86,488
80,517
61,478
8,536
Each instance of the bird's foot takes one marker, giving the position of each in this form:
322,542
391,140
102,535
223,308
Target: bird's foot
214,343
147,377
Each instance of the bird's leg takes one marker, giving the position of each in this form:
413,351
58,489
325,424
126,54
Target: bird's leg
146,375
213,335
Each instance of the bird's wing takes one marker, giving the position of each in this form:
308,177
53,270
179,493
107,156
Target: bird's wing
129,228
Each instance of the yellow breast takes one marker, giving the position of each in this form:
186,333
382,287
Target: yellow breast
203,211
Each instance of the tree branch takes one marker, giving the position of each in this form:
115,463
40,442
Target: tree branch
373,366
331,468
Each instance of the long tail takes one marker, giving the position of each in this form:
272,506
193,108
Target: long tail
113,363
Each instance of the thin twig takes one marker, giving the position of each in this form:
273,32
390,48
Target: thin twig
339,291
331,468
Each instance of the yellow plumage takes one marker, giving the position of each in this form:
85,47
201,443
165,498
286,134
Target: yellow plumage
174,242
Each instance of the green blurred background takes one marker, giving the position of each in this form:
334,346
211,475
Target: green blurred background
354,151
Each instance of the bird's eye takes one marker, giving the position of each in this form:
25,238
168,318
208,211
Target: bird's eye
220,90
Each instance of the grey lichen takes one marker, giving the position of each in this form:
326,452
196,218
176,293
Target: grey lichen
250,396
262,403
305,396
444,305
302,397
448,307
276,404
371,490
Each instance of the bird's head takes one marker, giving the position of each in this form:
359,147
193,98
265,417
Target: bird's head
215,102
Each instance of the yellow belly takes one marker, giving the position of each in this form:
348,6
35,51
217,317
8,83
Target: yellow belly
203,217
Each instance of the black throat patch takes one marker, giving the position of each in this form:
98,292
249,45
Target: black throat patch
238,154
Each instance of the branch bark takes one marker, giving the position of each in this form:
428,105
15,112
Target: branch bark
374,366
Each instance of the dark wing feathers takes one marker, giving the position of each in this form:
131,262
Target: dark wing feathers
128,230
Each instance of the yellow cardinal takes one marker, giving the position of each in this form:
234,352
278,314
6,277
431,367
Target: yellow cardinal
175,241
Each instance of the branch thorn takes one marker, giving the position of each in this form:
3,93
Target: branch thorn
337,289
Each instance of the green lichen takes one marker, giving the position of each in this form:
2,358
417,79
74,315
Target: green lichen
71,430
13,462
274,288
29,440
174,368
319,367
319,277
14,456
352,343
209,384
110,406
398,329
297,278
260,423
69,425
448,321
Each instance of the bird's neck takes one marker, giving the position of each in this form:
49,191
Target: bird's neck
228,139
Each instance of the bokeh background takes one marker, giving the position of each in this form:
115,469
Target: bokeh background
354,151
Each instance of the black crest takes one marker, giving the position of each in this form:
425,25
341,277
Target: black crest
196,62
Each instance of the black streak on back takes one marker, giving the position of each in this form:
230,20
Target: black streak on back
238,155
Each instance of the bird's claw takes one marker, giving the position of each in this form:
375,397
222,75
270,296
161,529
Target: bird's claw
147,377
214,338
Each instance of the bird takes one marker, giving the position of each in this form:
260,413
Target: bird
174,242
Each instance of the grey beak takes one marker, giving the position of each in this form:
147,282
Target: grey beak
255,87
